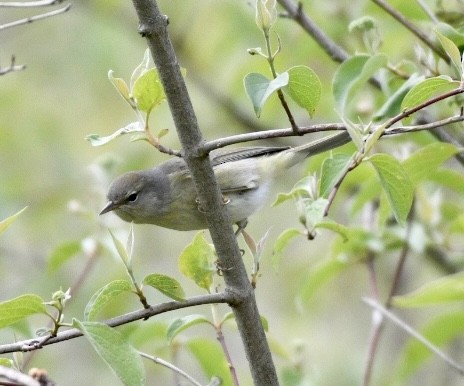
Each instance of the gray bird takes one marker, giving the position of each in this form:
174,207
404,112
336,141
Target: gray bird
165,195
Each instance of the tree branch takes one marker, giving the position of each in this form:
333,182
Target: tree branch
35,18
153,26
31,344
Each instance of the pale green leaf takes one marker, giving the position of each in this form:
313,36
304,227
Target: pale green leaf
196,262
97,140
141,68
12,311
334,227
427,159
113,348
331,171
148,90
121,249
121,86
259,88
4,224
166,285
318,276
396,184
181,324
353,74
314,211
105,295
424,90
392,105
451,50
303,188
304,87
63,253
443,290
211,358
282,242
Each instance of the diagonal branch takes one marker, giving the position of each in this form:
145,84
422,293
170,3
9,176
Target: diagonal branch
153,26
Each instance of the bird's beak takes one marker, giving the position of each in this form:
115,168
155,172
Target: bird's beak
109,207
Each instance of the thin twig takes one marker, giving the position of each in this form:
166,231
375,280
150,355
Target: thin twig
29,4
411,331
428,11
35,18
411,27
12,67
170,366
30,344
295,12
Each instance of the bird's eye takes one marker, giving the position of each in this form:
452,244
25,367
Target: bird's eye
132,197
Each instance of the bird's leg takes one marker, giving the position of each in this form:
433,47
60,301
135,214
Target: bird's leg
241,226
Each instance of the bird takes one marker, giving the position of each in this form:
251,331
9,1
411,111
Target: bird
165,195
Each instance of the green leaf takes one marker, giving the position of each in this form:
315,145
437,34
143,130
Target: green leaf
427,159
451,50
334,227
181,324
141,68
282,242
12,311
148,90
303,188
121,249
352,74
304,87
443,290
97,140
211,358
440,331
314,212
113,348
392,105
121,86
4,224
103,296
63,253
424,90
396,184
166,285
331,171
259,88
196,262
449,178
319,275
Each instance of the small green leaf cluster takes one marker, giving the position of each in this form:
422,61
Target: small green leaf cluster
144,93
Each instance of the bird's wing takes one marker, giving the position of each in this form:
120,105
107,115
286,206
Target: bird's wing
219,157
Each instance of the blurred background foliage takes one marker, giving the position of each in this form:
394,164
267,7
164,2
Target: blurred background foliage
45,164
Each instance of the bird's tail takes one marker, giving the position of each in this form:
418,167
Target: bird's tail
297,154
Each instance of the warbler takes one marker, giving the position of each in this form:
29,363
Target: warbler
165,195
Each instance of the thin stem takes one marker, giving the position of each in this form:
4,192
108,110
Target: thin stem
428,11
270,58
295,12
30,4
29,345
411,331
412,28
172,367
12,67
35,18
